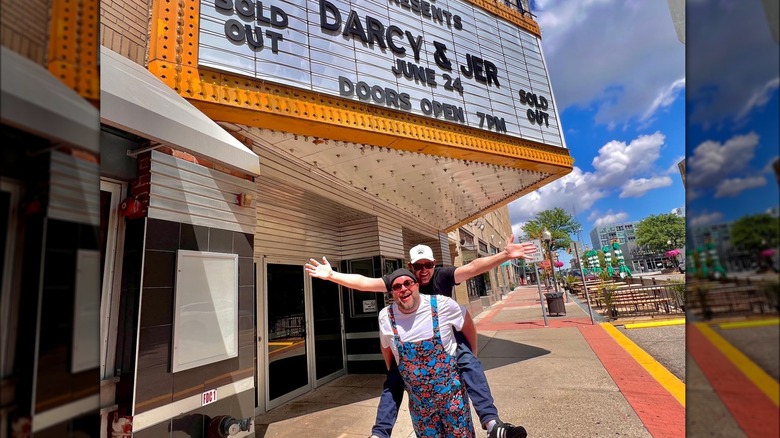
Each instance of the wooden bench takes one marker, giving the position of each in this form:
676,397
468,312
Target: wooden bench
729,299
626,298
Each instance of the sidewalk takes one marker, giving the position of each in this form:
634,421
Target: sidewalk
569,379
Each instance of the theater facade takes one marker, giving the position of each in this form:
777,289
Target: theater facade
241,138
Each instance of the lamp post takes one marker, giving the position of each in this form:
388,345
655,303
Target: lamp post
547,237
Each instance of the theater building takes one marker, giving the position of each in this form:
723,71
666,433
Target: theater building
240,138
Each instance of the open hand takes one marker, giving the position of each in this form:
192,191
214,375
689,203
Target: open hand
319,270
522,250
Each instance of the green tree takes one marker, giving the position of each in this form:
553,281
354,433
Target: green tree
756,232
654,231
560,224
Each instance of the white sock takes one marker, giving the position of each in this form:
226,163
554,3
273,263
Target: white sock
490,425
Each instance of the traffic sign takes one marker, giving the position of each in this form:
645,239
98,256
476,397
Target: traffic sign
537,257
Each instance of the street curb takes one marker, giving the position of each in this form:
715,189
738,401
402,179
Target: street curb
746,324
763,381
655,323
664,377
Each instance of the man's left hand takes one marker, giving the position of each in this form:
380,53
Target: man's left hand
523,250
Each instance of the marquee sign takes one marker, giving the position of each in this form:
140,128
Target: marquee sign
444,59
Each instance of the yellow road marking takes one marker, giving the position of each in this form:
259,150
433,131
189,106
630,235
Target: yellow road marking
655,323
746,324
763,381
669,381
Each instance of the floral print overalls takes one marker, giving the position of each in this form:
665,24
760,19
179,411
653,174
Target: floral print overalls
437,397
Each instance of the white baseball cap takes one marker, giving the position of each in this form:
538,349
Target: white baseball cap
421,252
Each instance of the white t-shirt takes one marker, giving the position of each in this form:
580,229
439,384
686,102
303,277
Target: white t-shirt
418,326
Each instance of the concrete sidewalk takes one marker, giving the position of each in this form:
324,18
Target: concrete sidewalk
569,379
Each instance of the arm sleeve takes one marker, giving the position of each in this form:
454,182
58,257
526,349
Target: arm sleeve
450,312
385,330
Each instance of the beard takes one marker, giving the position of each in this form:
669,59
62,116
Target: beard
410,305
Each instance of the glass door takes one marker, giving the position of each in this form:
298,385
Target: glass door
111,244
286,333
329,358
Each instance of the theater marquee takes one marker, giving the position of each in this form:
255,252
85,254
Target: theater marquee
442,59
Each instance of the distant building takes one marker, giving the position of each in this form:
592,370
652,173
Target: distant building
625,234
483,237
732,259
605,235
638,258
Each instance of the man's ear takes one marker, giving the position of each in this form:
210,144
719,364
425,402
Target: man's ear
409,264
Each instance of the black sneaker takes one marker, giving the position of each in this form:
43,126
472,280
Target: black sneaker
507,430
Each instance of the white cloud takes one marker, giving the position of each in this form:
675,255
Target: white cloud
610,218
517,229
577,189
615,164
712,161
664,98
705,218
674,168
758,98
617,161
734,186
635,188
600,54
691,194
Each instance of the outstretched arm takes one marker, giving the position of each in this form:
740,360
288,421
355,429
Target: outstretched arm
484,264
354,281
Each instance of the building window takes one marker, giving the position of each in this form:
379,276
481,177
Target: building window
466,239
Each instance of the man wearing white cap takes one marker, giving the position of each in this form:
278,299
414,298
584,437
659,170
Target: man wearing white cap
438,281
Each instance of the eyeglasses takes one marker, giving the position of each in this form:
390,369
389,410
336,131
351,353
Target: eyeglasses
406,284
420,266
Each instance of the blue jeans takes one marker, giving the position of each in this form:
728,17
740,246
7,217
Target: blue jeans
471,372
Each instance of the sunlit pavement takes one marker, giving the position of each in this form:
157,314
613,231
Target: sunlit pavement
569,378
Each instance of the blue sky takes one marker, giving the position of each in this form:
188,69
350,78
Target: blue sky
732,112
618,72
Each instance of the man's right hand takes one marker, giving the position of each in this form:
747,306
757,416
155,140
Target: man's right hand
319,270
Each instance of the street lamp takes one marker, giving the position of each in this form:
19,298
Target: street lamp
547,237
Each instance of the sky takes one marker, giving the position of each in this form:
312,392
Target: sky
618,72
732,112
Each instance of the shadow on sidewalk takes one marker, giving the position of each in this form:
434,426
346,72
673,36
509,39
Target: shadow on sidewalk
496,353
362,390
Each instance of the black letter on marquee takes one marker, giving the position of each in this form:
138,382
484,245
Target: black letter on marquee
224,5
394,30
325,8
353,27
245,9
256,41
234,31
275,38
375,31
346,88
441,57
